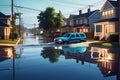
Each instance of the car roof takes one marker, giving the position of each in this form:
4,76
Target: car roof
76,32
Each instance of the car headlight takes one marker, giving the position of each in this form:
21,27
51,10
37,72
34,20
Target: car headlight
60,40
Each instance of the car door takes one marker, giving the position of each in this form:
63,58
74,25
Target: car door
72,38
78,37
82,36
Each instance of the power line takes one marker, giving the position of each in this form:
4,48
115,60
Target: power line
27,8
76,4
62,4
23,7
15,2
96,4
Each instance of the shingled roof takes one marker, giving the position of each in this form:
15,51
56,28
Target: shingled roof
2,24
109,20
85,15
114,3
4,16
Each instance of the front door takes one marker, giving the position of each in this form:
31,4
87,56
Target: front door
105,31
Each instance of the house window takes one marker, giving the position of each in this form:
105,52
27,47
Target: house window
108,13
76,21
98,28
103,13
77,35
85,20
71,23
111,11
80,21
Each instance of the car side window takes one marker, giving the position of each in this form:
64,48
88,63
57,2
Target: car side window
72,36
82,35
77,35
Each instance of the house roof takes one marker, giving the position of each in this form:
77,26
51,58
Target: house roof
114,3
66,26
84,15
82,25
2,24
4,16
109,20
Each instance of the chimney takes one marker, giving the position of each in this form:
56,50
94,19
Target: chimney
88,10
80,12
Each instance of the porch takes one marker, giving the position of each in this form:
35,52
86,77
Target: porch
103,30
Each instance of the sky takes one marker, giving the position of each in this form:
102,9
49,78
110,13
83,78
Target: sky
31,8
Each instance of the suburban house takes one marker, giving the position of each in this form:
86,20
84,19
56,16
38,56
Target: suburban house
82,22
108,24
5,26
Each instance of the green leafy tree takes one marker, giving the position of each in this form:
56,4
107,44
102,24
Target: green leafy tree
59,21
49,20
46,19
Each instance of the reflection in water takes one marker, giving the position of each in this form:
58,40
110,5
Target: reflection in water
107,62
51,53
9,53
77,53
6,53
79,49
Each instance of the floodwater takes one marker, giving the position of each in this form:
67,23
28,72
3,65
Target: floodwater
58,62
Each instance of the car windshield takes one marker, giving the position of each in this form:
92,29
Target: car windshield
66,35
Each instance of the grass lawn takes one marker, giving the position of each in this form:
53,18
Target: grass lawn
107,44
9,41
111,44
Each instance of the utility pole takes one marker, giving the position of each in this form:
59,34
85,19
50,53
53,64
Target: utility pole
119,18
12,10
34,29
20,24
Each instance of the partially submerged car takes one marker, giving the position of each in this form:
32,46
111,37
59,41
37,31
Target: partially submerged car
71,37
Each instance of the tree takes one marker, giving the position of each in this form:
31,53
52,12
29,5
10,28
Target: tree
59,20
46,19
49,20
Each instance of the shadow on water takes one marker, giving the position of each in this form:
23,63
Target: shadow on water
107,59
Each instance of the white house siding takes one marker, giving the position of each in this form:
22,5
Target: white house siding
108,11
108,28
93,18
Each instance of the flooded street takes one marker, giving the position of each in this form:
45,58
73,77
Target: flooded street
35,60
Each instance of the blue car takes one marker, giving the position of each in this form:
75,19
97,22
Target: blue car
70,37
78,49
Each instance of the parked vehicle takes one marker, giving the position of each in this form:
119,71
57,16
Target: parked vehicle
56,34
71,37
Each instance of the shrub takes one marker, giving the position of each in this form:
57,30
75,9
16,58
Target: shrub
15,35
114,38
96,38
